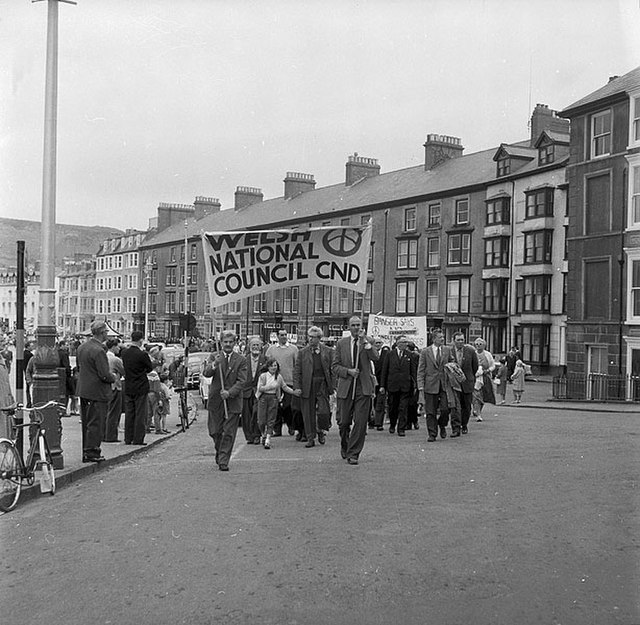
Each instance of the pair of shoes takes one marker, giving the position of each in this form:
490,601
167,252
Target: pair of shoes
352,461
140,444
431,439
455,433
343,453
310,443
115,440
223,467
93,459
478,418
465,429
401,432
380,428
443,432
392,430
321,438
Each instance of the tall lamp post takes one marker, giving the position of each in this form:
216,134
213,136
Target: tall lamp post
46,384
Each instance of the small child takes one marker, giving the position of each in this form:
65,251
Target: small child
164,405
476,400
501,378
268,392
518,381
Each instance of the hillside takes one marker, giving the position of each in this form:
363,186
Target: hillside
70,240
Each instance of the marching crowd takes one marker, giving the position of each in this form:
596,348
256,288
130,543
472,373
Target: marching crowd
360,382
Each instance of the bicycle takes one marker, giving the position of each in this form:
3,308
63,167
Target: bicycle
13,470
187,408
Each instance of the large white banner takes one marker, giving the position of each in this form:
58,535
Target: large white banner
390,328
241,264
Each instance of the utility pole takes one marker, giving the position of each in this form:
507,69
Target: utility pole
147,274
46,383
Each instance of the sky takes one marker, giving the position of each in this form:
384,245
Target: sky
166,100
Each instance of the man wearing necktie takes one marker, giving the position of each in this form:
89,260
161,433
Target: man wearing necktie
432,384
255,361
396,380
312,375
467,359
352,370
228,373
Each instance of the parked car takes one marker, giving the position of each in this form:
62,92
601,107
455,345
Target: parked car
196,359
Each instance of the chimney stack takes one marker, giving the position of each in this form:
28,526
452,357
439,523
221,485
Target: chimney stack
359,167
543,118
205,206
246,196
296,183
170,214
440,148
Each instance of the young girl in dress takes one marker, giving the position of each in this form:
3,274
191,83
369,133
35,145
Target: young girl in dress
268,392
518,382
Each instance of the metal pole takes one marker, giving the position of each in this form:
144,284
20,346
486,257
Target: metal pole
147,267
46,383
186,312
20,343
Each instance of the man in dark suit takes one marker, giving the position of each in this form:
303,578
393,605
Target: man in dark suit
431,380
136,364
312,375
396,382
351,369
228,373
467,359
94,389
255,366
380,398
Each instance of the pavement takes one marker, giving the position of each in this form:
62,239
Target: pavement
538,394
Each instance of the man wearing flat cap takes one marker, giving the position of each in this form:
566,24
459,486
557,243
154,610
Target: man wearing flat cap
94,389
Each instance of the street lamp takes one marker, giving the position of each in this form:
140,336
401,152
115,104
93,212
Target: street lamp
46,380
147,279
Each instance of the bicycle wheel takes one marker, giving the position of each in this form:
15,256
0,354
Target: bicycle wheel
48,474
10,475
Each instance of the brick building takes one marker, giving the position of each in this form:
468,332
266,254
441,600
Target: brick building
603,294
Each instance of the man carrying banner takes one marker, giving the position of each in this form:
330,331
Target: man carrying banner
228,374
352,360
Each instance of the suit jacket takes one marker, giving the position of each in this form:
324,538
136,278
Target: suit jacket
251,383
397,372
303,369
468,364
234,376
342,360
137,364
431,375
94,375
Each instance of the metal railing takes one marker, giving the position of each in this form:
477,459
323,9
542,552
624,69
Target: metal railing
597,387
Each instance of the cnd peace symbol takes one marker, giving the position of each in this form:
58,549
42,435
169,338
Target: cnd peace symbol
343,242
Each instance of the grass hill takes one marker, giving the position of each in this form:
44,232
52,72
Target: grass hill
70,240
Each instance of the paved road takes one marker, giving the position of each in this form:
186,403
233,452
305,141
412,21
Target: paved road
530,518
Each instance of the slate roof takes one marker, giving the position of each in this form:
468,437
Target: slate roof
622,84
396,187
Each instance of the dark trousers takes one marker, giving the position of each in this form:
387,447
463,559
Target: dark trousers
223,432
93,415
316,412
135,418
433,402
465,408
353,412
398,402
250,419
296,415
412,410
285,415
114,412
